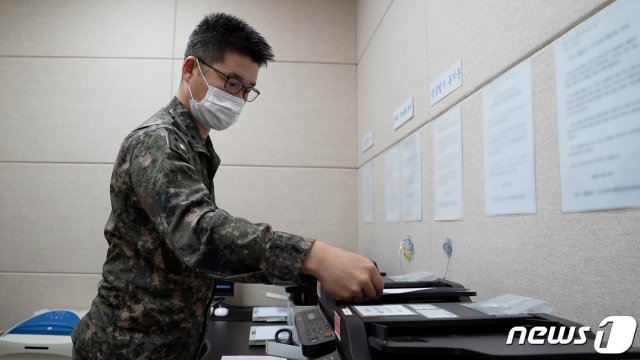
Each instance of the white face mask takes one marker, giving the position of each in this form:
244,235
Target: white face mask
218,110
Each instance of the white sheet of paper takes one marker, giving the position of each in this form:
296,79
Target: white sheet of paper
383,310
598,94
271,311
447,159
437,313
424,307
367,193
392,166
400,290
411,178
432,311
509,163
250,357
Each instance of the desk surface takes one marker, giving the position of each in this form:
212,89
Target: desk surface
229,335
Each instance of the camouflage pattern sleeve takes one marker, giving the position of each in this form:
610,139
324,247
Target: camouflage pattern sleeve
206,238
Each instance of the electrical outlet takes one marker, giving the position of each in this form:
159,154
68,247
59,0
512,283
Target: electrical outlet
447,247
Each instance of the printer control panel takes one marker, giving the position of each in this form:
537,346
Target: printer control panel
315,332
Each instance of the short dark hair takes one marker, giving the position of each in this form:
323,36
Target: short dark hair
219,33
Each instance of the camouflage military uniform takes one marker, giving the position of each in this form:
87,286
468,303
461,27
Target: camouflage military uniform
167,242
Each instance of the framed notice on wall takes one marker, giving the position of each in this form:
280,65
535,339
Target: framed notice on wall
598,94
447,165
509,161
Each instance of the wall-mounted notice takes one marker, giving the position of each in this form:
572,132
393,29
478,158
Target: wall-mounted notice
392,166
367,193
367,141
446,83
411,178
447,159
509,163
403,114
598,85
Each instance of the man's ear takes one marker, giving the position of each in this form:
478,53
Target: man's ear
189,67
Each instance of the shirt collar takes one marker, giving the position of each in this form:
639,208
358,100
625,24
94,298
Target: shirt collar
183,118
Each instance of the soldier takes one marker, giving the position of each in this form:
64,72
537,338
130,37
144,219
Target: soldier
167,238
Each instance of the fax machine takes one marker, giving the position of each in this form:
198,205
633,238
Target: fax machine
434,323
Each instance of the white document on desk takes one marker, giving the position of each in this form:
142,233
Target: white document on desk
258,335
269,313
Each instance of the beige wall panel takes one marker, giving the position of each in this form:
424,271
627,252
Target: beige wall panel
23,294
305,116
317,203
369,16
94,28
72,205
311,31
490,36
392,70
301,208
76,110
53,216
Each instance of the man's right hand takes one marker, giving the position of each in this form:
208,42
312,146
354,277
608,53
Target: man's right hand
345,275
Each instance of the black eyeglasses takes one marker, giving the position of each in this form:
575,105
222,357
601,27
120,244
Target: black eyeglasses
233,85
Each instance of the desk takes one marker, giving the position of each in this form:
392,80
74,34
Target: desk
229,335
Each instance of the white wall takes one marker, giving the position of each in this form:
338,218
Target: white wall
78,75
584,264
